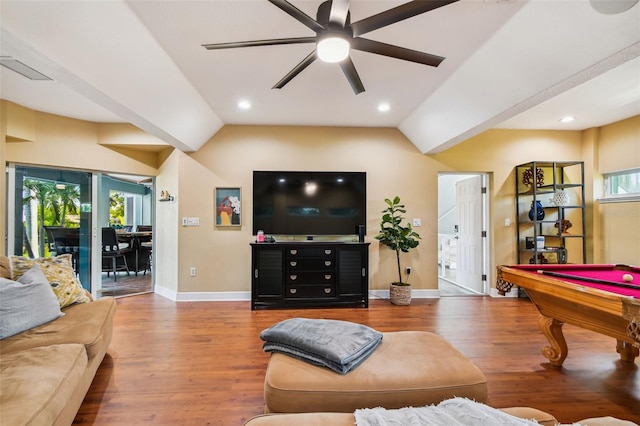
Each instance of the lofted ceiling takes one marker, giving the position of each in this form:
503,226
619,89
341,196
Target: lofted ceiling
509,64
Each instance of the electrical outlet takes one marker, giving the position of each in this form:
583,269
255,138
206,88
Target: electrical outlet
192,271
417,221
408,269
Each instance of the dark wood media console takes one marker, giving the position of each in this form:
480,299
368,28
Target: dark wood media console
309,274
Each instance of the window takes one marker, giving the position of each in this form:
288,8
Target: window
622,185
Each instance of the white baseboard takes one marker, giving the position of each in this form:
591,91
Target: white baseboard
202,296
415,294
512,293
239,296
229,296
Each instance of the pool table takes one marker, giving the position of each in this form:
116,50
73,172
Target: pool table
594,297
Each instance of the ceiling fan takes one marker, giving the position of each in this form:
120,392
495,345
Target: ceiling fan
335,35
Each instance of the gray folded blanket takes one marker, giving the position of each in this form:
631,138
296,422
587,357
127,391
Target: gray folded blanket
338,345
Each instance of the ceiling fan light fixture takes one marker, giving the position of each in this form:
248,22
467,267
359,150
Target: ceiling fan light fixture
333,48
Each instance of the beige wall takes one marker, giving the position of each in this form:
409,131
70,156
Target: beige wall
619,145
616,225
498,152
393,165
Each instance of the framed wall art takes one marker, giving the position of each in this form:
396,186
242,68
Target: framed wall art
228,206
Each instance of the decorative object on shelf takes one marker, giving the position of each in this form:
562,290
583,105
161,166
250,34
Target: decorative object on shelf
562,255
400,238
228,211
529,242
566,224
541,259
560,198
165,196
527,178
536,211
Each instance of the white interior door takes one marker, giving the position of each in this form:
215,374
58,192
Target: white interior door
469,244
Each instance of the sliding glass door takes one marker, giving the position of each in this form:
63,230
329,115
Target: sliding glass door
51,214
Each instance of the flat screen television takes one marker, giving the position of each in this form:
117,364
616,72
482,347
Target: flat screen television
309,203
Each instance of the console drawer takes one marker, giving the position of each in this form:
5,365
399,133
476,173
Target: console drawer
310,263
310,291
310,252
313,277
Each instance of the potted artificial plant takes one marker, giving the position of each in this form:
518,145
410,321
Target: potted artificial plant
400,238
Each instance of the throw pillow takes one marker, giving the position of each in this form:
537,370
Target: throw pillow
5,270
60,274
26,303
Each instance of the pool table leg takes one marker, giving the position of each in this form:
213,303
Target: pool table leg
627,351
552,329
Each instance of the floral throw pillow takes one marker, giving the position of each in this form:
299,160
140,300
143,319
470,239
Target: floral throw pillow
59,273
5,270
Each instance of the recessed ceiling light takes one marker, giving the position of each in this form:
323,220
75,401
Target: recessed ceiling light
567,119
384,107
244,104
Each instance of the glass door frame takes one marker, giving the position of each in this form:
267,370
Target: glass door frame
15,242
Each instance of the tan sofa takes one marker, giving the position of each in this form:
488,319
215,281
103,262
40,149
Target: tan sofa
348,419
45,371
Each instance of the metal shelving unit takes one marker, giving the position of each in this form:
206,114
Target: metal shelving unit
556,188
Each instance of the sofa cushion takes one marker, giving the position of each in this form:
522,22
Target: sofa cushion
26,303
35,384
347,419
89,324
59,271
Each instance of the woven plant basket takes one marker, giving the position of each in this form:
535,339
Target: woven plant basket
400,294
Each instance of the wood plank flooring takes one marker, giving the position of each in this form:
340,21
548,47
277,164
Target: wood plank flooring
201,363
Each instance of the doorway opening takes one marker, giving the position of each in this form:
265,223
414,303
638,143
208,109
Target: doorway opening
462,234
125,210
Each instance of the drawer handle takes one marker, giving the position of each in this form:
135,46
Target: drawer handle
293,277
328,251
293,263
293,290
327,277
327,290
327,263
292,251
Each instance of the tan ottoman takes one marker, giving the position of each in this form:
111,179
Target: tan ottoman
409,368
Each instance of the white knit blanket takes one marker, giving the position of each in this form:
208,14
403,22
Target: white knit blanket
451,412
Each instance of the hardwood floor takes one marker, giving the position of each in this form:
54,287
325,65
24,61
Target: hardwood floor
201,363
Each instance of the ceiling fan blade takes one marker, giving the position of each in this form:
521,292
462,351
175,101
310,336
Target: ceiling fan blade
350,72
339,12
270,42
397,52
296,70
396,14
297,14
